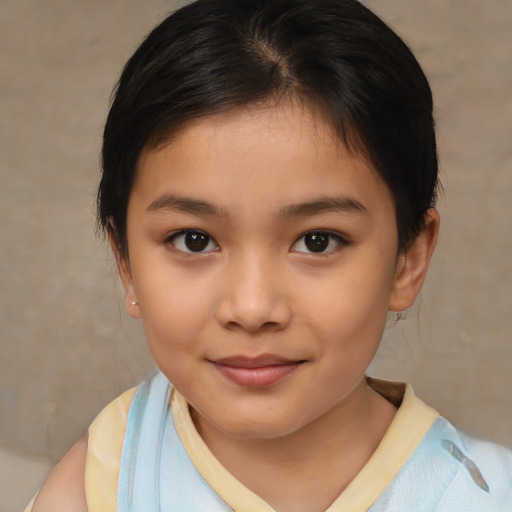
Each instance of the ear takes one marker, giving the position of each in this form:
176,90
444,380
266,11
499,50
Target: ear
123,267
413,264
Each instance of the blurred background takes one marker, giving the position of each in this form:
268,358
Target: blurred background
67,347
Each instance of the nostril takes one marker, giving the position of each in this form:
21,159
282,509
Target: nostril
253,327
271,325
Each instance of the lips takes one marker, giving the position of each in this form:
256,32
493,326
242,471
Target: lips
256,372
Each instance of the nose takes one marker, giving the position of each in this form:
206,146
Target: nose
254,297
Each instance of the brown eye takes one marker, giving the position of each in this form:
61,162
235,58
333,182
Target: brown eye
196,241
316,242
190,241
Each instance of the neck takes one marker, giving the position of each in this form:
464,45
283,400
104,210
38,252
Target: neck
313,465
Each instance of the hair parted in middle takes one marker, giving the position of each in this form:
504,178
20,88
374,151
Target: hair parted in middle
333,56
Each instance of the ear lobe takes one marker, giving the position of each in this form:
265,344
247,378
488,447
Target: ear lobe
413,264
123,267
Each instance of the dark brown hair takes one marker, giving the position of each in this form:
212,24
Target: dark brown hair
333,55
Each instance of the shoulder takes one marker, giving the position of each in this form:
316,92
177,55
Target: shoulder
494,461
484,476
64,490
114,415
94,457
452,472
105,447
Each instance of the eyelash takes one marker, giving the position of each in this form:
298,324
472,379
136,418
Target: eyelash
322,235
184,232
338,239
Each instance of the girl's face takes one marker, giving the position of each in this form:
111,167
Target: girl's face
263,260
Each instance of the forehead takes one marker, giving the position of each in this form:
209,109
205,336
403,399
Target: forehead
258,157
242,128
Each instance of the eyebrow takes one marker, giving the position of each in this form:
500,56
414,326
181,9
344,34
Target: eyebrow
186,205
199,207
323,205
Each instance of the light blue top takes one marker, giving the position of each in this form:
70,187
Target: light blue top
448,471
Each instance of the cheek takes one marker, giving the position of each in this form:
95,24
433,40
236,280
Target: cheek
175,322
350,310
351,296
174,310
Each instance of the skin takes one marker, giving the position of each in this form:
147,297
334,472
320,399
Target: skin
256,181
64,489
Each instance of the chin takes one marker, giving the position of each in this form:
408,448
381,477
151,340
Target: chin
254,428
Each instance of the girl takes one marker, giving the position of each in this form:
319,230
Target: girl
268,188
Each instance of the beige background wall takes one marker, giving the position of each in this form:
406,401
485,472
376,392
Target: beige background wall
66,346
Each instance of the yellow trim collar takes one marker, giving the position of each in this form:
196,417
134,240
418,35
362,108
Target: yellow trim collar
412,422
106,437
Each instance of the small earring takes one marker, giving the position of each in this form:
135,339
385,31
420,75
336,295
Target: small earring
134,303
